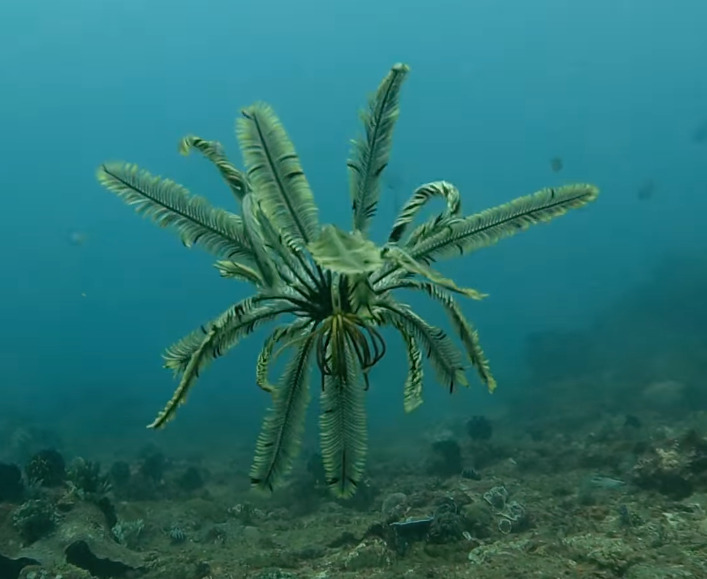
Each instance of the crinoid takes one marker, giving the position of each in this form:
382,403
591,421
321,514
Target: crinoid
332,289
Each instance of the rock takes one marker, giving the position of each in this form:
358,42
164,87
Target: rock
651,571
251,534
369,554
84,540
675,468
393,505
666,395
276,574
11,568
609,553
11,487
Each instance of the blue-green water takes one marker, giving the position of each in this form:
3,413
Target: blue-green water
91,294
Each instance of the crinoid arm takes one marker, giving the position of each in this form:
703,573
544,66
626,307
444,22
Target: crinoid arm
404,261
342,422
213,151
169,204
466,332
469,234
234,270
412,393
254,232
370,154
196,351
290,334
276,176
445,357
420,197
281,433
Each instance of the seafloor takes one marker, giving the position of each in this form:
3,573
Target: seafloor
595,467
618,496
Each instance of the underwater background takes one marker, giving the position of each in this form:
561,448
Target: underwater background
584,315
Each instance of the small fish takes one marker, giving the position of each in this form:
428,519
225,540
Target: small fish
699,134
606,482
632,421
646,190
76,237
556,164
393,182
395,202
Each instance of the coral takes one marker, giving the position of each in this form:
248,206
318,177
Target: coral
86,481
120,473
447,527
246,513
479,428
470,473
34,519
446,459
47,468
190,479
675,468
153,465
176,535
512,515
478,519
128,533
